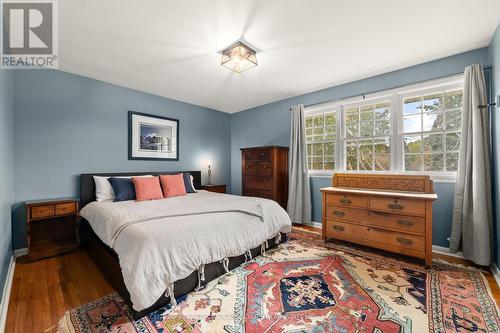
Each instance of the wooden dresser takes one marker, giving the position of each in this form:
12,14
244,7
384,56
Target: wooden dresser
388,212
51,228
265,173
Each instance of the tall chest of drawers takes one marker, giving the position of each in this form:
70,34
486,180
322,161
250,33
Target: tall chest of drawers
387,212
265,173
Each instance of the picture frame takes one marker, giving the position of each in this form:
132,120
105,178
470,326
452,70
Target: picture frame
152,137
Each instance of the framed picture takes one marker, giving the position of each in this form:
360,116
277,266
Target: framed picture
152,137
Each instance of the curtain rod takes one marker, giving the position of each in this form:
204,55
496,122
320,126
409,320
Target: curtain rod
372,92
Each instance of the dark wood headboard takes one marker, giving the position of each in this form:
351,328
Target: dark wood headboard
87,185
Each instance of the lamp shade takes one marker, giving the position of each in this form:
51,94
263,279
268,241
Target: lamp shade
239,57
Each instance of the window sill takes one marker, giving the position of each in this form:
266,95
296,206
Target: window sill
436,178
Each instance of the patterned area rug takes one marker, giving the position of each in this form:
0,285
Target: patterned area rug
308,286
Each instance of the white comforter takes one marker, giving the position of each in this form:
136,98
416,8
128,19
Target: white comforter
159,242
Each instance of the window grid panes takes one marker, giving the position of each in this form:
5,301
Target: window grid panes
367,136
321,131
431,126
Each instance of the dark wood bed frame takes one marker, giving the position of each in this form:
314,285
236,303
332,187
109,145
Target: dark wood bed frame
106,259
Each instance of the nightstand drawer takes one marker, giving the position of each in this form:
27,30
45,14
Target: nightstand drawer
65,208
39,212
215,188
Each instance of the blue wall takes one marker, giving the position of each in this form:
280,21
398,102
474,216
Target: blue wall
269,124
6,172
494,56
55,111
66,124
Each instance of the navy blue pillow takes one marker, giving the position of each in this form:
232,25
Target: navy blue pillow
187,183
123,187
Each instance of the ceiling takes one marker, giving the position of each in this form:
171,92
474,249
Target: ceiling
170,48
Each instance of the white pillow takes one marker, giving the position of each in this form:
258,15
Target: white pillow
104,190
192,184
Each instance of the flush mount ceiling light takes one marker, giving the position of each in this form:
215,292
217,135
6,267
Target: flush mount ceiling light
239,57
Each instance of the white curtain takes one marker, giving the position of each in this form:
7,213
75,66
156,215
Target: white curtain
299,193
472,227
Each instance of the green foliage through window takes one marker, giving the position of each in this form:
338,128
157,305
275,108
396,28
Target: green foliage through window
321,131
431,131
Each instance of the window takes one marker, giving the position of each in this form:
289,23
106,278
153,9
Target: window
367,136
321,129
431,131
413,129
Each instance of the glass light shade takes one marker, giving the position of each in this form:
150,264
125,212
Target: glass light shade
239,58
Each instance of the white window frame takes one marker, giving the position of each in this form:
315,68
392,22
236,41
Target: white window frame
333,109
396,97
343,139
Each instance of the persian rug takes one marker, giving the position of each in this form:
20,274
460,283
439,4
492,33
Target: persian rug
306,285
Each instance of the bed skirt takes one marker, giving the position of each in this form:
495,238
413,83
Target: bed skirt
106,259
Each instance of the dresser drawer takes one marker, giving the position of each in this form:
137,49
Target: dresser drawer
257,182
251,168
38,212
264,155
257,193
250,155
403,223
395,205
385,239
381,220
346,200
265,168
65,208
257,168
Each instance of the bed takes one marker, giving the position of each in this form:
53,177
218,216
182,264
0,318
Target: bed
174,244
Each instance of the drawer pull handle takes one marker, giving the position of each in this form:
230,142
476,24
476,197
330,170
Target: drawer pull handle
404,241
338,213
405,223
338,228
345,201
395,206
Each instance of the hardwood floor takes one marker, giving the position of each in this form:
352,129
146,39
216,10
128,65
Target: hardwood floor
44,290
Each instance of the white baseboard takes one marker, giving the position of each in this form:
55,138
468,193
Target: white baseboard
446,251
4,306
20,252
317,224
496,273
313,224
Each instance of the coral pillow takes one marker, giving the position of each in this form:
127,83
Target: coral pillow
173,185
147,188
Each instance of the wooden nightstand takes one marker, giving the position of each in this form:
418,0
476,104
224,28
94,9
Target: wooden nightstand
214,188
51,228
